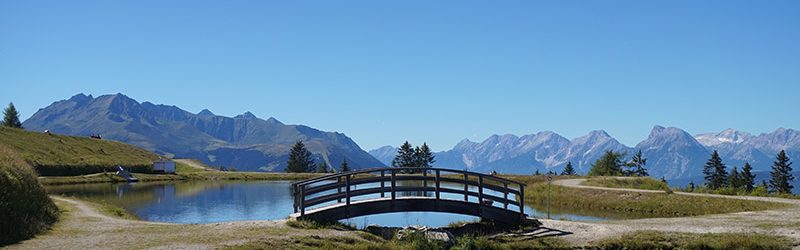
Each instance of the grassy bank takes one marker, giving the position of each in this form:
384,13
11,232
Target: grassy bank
670,240
25,208
61,155
627,182
635,204
180,176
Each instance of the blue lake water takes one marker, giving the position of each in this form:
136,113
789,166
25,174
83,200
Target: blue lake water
209,202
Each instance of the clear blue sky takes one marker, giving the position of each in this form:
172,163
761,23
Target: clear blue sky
437,71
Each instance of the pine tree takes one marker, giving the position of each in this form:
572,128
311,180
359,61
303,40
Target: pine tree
11,117
568,170
300,160
425,157
715,175
734,179
537,172
344,167
637,165
405,157
610,164
322,167
781,181
691,186
748,178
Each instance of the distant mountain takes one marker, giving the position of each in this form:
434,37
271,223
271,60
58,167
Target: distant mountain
384,154
523,155
670,152
736,147
244,141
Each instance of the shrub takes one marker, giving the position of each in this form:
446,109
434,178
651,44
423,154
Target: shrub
25,208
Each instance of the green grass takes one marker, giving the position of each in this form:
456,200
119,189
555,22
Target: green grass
627,182
25,208
307,224
670,240
632,204
60,155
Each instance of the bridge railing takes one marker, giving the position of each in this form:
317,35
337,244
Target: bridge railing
389,183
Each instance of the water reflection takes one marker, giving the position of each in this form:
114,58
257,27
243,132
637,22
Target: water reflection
209,202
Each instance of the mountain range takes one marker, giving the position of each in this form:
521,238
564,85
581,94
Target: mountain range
244,141
671,152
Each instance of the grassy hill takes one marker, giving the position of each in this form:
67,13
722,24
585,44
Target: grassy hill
60,155
25,209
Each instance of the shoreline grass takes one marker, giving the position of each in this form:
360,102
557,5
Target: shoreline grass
645,183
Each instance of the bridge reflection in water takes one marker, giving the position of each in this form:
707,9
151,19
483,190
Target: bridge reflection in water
387,190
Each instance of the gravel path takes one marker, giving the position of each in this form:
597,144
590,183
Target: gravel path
785,222
83,227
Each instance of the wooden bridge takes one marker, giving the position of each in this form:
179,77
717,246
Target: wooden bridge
386,190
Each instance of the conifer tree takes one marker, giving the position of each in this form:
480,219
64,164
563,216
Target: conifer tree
322,167
715,175
691,186
11,117
568,170
537,172
734,179
637,165
344,168
300,160
610,164
781,181
405,157
425,157
748,178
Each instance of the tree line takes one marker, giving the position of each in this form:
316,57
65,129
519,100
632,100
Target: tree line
717,177
302,161
614,164
409,156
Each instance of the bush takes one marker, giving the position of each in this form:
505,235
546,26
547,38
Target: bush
25,208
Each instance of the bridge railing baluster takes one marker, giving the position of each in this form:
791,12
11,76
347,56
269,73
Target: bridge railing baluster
302,200
393,184
347,189
466,187
383,183
437,184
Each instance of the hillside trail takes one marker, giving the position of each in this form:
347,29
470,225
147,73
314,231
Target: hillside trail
82,226
783,222
194,164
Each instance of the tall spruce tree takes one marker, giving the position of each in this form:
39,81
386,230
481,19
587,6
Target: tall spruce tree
425,157
405,157
300,160
637,165
568,170
344,168
748,178
735,179
781,181
715,174
610,164
11,117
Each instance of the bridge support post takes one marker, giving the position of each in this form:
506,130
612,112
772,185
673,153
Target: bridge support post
383,183
505,195
302,200
339,187
347,195
480,195
522,201
466,187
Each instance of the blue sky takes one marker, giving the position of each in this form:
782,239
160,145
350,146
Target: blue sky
438,71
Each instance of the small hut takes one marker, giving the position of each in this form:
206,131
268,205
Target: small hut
164,166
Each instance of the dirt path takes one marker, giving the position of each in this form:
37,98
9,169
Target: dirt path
194,164
785,222
83,227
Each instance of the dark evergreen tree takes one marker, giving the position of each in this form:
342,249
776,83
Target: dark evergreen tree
610,164
748,178
405,157
537,172
637,165
735,179
781,181
663,180
691,186
425,157
715,174
568,170
322,167
11,117
300,160
344,167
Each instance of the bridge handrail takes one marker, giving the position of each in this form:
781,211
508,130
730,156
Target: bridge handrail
301,202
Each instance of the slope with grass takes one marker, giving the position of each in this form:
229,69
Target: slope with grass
60,155
25,209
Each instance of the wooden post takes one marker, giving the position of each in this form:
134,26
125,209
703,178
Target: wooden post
347,189
466,187
505,195
424,180
522,200
393,173
383,173
480,195
437,185
294,195
339,187
302,200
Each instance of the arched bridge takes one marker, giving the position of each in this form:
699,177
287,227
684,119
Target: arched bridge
386,190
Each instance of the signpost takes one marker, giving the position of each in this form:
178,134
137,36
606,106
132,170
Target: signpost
549,180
